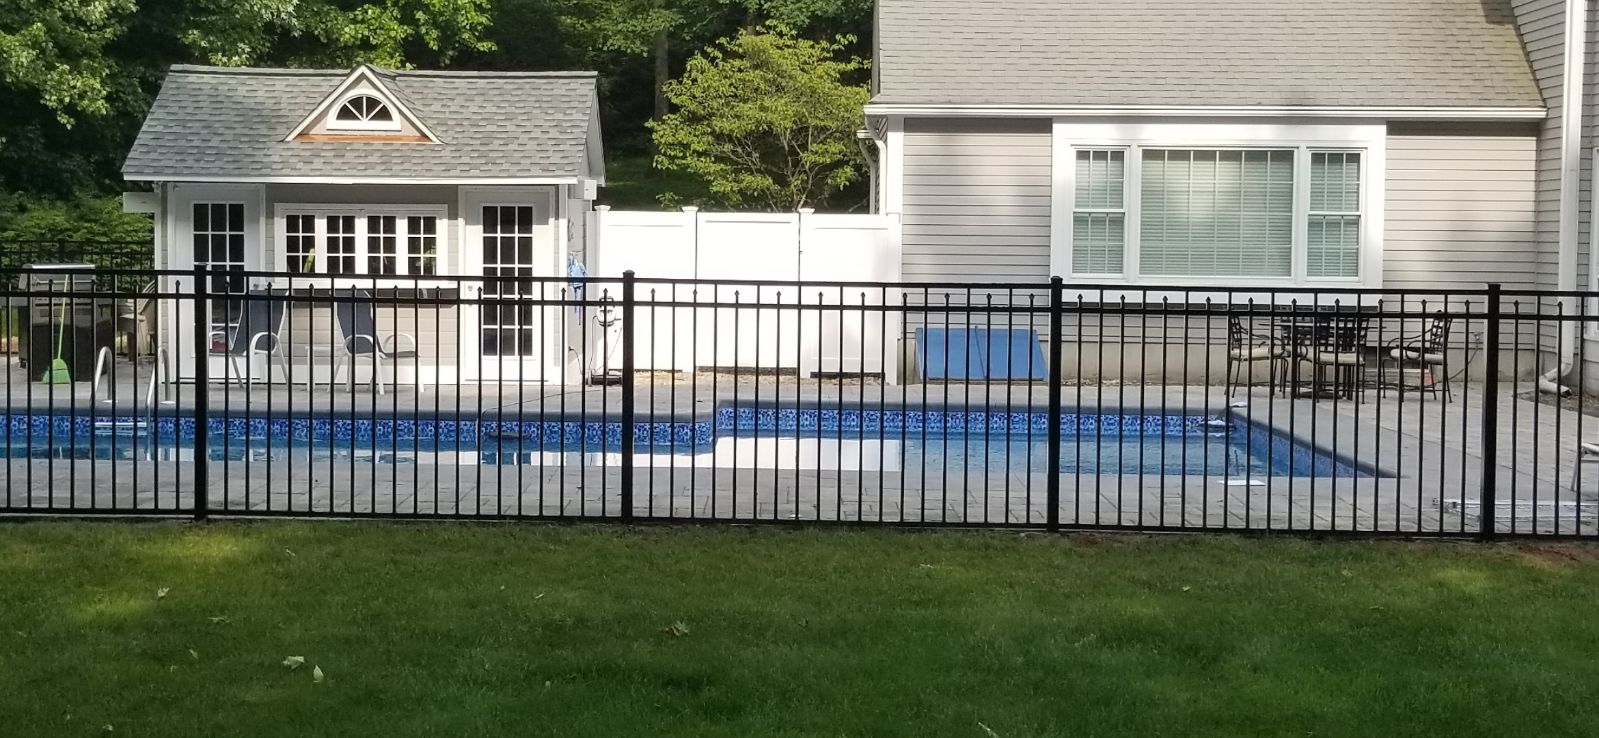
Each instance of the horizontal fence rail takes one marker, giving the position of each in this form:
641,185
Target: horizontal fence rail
1055,406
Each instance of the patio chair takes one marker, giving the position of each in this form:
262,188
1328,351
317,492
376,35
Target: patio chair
255,330
1427,352
1338,347
1245,348
357,317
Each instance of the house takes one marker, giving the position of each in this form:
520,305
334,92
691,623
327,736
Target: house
377,179
1162,144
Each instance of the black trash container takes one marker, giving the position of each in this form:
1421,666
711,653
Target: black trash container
57,298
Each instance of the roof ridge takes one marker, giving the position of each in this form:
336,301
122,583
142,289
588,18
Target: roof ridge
402,73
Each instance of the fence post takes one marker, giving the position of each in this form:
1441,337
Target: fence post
628,380
202,399
1052,483
1487,500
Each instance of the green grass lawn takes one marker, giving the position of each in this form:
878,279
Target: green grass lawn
181,630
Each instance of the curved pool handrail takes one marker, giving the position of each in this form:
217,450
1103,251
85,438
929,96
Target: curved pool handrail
100,360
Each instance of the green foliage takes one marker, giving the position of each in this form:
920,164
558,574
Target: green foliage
633,183
55,50
322,33
77,76
766,119
87,219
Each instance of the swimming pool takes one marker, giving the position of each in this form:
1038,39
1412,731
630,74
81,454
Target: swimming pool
913,443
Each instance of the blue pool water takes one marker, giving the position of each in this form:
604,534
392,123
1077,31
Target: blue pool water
1203,447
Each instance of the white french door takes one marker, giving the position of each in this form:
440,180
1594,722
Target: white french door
509,240
219,227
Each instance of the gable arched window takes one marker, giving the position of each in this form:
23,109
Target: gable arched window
364,113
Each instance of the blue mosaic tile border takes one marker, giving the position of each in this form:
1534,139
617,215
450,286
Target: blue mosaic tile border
697,433
781,420
679,435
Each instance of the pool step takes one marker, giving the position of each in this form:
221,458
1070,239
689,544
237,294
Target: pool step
121,427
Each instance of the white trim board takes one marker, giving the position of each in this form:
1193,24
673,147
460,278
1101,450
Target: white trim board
278,179
1204,111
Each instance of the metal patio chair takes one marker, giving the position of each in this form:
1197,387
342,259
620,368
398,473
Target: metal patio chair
1427,352
256,329
357,317
1337,347
1245,348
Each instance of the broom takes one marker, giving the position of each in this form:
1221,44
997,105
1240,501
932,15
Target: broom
58,373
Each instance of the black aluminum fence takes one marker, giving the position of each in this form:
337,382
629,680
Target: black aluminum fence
16,254
1048,406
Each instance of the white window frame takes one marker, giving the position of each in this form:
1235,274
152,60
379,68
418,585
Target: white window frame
1133,136
320,277
1124,211
1359,212
390,125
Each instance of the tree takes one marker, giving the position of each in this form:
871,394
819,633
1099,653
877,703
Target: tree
54,50
767,120
389,33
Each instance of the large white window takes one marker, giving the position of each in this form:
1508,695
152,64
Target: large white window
371,241
1185,215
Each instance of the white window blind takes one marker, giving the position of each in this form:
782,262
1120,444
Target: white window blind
1333,238
1216,213
1099,215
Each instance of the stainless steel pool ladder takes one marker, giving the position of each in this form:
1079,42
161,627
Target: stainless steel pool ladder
160,375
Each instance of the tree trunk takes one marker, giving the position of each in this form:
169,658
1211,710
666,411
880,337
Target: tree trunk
663,67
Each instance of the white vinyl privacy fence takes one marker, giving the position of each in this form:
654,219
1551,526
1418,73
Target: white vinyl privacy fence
718,251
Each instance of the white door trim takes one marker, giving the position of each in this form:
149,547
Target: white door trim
475,366
179,254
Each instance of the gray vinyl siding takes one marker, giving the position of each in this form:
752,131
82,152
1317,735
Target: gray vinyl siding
1461,207
436,329
977,200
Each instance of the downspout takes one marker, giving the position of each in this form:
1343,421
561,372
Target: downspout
1570,190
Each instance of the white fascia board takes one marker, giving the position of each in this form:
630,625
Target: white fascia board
465,181
1201,111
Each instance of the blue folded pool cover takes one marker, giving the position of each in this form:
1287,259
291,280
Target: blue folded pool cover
979,353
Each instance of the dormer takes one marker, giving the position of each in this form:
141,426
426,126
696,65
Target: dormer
362,109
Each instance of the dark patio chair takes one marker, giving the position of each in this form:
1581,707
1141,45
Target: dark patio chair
1245,348
1428,353
254,330
1338,347
357,317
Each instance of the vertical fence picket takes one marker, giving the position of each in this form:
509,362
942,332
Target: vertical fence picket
628,381
202,400
1487,499
1052,453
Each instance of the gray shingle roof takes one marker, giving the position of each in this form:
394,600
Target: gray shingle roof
222,122
1361,53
